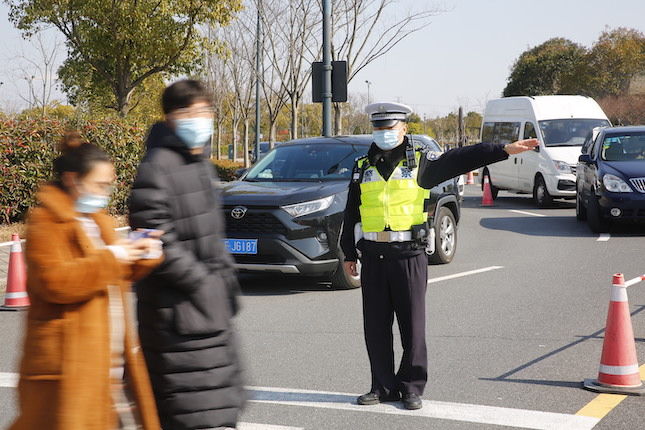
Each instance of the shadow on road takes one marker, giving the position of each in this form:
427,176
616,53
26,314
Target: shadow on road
506,377
556,226
514,201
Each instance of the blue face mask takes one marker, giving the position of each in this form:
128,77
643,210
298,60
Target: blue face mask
386,139
194,132
91,203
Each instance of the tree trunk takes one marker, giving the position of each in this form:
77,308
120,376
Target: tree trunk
338,124
272,134
235,138
294,119
219,141
247,162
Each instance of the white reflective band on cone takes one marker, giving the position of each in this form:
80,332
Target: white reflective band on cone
20,295
16,247
618,293
619,370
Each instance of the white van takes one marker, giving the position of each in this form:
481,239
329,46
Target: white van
560,123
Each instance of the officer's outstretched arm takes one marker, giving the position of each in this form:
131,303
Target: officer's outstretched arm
435,168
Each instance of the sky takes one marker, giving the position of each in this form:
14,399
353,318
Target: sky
463,58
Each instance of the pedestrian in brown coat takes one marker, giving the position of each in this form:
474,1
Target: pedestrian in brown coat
82,368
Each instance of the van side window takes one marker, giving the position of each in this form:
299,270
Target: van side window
529,131
487,132
506,132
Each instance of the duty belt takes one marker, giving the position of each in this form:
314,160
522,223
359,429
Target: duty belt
388,236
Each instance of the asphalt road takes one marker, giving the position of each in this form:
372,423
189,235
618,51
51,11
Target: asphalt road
509,344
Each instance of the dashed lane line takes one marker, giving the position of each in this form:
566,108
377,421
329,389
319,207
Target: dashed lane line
604,237
526,213
462,274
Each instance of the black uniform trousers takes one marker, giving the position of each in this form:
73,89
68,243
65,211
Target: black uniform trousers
394,279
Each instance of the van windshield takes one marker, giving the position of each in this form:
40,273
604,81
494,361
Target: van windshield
568,132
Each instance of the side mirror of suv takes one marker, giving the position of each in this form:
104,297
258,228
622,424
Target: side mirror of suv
584,158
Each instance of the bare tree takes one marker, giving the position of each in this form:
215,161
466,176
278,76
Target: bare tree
363,32
292,46
240,40
216,78
38,70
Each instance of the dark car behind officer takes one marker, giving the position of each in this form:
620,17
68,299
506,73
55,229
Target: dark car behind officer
386,223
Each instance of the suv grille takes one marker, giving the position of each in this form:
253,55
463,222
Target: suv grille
639,184
253,223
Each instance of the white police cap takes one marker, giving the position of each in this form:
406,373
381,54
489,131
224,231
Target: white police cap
386,114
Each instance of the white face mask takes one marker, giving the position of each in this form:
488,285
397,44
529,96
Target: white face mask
386,139
194,132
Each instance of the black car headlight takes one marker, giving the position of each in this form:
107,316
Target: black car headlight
306,208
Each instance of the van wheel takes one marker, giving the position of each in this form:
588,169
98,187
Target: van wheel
341,280
581,211
541,194
494,191
597,223
445,237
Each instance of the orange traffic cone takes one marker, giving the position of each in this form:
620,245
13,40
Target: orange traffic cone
487,197
15,297
470,179
619,372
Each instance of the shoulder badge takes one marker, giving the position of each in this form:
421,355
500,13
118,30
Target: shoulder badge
432,155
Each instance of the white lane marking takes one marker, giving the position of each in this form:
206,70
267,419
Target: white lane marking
604,237
480,414
526,213
254,426
462,274
8,380
122,228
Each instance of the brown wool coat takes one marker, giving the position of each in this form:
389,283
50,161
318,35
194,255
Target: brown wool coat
64,372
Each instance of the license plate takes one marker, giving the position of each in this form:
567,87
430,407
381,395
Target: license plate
241,246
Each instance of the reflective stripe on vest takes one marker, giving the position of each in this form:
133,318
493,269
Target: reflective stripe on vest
397,203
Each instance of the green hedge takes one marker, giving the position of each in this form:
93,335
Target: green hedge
226,169
28,147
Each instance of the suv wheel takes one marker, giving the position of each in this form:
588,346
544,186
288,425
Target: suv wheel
445,237
341,280
581,211
597,223
541,194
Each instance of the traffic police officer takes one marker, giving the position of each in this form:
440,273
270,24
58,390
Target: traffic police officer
386,222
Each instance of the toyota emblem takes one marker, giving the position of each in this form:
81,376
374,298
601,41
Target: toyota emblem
238,212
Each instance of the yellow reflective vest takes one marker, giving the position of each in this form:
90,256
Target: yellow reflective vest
397,203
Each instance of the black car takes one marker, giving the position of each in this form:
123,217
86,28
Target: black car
610,177
286,213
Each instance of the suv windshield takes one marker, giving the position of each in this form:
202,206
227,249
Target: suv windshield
624,147
568,132
306,162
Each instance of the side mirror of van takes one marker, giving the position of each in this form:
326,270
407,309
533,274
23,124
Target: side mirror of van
584,158
537,148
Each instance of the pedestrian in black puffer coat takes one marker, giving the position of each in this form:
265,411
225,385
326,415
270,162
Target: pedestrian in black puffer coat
185,306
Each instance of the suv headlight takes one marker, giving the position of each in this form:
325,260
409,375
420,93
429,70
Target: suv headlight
615,184
306,208
562,167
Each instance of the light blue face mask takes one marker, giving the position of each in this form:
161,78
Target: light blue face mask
386,139
194,132
91,203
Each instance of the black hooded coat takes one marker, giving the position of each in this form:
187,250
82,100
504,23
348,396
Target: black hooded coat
185,306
